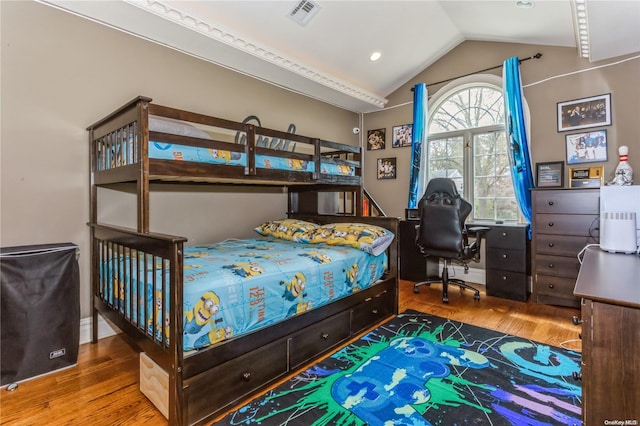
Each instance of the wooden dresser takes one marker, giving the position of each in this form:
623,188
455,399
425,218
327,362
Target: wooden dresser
610,290
564,222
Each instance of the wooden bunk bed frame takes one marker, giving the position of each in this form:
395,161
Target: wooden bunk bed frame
203,384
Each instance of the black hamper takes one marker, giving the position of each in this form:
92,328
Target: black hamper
40,310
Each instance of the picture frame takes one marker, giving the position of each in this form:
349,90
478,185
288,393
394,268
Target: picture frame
401,135
550,175
584,113
376,139
386,168
586,147
586,177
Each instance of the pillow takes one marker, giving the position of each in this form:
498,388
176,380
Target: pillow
286,229
175,127
369,238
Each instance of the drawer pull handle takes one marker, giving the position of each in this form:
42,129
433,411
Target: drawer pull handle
325,336
504,278
550,203
374,311
504,256
246,376
550,244
550,223
551,265
550,285
504,234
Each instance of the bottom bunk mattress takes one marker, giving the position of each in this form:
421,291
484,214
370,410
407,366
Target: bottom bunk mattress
237,286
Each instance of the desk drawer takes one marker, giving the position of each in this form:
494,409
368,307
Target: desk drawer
508,260
506,284
561,245
507,237
557,266
567,224
318,338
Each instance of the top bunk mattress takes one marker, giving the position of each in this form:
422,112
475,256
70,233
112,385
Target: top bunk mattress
238,286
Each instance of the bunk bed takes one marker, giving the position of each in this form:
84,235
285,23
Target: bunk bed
140,278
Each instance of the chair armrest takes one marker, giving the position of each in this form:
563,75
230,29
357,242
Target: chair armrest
479,233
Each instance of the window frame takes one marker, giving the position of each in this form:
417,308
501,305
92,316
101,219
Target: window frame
440,97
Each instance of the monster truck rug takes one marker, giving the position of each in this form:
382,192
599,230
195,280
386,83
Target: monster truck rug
419,369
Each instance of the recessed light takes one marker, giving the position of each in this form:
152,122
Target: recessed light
375,56
524,4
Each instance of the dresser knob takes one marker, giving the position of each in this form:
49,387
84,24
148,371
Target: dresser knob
550,223
550,285
246,376
325,336
504,278
550,244
551,265
550,203
504,234
504,256
374,311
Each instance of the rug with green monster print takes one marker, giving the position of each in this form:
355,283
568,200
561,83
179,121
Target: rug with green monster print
420,369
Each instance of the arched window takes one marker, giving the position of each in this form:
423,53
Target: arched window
467,142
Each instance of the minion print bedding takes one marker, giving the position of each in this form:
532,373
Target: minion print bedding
167,151
237,286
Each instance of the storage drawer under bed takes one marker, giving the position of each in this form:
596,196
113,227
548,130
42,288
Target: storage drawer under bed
319,338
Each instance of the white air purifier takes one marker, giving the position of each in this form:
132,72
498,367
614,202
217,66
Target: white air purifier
618,232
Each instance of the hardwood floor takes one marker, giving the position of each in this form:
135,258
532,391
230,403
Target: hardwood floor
103,388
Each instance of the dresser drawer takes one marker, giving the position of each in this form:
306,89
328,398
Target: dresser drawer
318,338
371,311
557,266
507,284
565,224
508,260
567,201
508,237
548,285
234,379
561,245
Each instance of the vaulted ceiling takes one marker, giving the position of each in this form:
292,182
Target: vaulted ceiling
321,48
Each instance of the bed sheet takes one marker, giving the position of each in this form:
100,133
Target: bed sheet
167,151
237,286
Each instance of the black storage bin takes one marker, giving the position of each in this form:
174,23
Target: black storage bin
40,310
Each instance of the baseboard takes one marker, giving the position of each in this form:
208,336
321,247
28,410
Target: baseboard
104,329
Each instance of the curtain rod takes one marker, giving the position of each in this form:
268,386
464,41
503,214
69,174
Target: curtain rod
536,56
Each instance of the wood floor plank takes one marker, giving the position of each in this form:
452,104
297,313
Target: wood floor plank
103,389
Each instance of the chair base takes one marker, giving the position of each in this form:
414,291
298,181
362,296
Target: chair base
445,281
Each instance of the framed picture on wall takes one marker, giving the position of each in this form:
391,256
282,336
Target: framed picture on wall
401,135
376,139
386,168
586,147
584,113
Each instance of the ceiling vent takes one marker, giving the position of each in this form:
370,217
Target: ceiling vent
303,11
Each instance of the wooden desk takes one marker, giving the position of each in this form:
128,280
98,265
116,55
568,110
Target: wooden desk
609,285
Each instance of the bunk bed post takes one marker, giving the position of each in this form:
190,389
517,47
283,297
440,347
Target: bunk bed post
250,151
177,412
317,158
143,164
93,218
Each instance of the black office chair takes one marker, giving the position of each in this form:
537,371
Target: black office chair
442,233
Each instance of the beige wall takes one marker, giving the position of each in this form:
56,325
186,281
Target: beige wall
61,73
546,144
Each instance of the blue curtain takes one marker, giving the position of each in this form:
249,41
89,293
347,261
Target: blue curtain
418,142
519,156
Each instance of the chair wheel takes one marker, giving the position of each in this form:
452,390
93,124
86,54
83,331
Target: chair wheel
476,297
416,290
445,300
